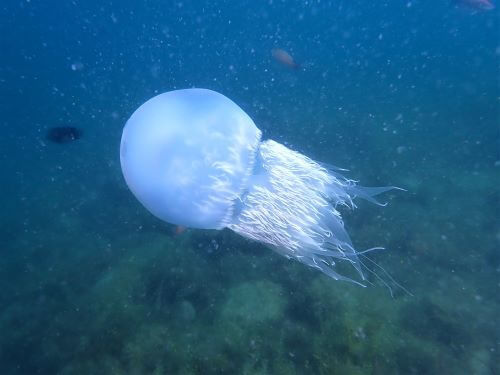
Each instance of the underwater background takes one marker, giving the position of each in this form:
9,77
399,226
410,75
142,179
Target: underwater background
402,93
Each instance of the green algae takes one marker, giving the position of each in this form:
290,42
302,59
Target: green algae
252,303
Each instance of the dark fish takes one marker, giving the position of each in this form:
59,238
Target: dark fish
64,134
283,57
477,5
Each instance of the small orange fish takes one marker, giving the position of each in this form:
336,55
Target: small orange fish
179,229
283,57
476,5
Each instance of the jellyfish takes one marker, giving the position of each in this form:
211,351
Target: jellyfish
195,159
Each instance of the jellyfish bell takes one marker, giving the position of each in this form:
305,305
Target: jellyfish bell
187,156
194,158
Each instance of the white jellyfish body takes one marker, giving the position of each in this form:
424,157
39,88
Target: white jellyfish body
194,158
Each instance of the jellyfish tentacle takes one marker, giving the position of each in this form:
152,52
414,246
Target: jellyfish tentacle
368,193
386,274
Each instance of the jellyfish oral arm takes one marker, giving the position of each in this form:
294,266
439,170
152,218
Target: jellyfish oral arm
291,207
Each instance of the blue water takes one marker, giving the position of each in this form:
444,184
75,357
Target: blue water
400,93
